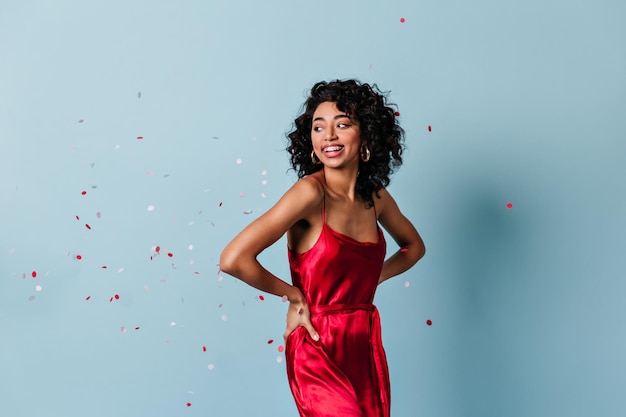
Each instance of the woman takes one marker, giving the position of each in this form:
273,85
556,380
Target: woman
344,147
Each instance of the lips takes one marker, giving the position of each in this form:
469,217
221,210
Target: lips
334,148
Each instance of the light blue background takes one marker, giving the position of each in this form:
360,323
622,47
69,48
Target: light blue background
526,100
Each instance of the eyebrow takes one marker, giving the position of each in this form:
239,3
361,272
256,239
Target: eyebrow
339,116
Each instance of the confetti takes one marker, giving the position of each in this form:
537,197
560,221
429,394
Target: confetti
220,204
211,367
188,404
397,114
509,205
402,20
239,161
31,298
88,298
261,298
281,348
269,342
407,284
117,296
284,299
83,192
77,218
79,257
103,267
99,215
430,129
38,288
87,226
139,94
137,328
139,137
279,359
204,348
224,317
404,250
190,247
81,120
33,274
429,322
150,207
157,249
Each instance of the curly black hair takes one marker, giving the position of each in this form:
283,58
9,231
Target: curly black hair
379,128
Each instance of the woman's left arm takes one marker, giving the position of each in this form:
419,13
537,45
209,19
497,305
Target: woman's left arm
403,232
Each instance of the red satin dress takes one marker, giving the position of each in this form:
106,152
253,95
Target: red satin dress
345,373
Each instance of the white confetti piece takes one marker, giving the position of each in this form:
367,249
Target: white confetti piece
279,359
150,207
190,247
211,367
172,324
37,288
239,161
407,284
224,317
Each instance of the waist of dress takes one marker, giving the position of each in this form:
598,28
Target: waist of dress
339,308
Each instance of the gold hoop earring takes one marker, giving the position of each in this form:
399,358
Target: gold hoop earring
365,153
314,158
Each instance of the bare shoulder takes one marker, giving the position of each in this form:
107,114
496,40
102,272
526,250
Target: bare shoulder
384,202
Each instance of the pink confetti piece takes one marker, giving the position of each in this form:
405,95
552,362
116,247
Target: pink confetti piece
402,20
188,404
157,249
150,174
404,250
139,137
33,274
281,348
247,212
211,367
239,161
284,299
261,298
123,329
99,215
117,296
79,257
407,284
429,322
509,205
103,267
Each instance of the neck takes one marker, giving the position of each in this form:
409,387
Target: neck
341,182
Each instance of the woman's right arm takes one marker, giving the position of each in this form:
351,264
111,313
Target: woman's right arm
239,257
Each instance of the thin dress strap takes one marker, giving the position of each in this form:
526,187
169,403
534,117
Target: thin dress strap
324,204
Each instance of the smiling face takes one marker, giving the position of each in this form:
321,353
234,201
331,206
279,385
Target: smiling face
335,136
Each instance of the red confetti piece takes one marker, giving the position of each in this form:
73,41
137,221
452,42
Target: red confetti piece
77,218
281,348
397,114
157,249
429,322
204,348
88,298
137,328
79,257
99,215
170,254
139,137
269,342
33,274
403,250
117,296
402,20
104,267
509,205
261,298
220,205
188,404
81,120
84,192
430,129
87,226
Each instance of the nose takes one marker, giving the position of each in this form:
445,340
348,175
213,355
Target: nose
330,134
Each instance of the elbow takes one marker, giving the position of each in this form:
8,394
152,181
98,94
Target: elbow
228,261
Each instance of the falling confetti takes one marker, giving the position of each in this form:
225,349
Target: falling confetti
84,192
269,342
33,274
239,161
397,114
188,404
407,284
150,207
87,226
139,94
99,215
402,20
429,322
139,137
211,367
123,329
88,298
204,348
281,348
279,359
284,299
81,120
38,288
261,298
79,257
509,205
404,250
430,129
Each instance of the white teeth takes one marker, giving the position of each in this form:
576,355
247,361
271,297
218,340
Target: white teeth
333,148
